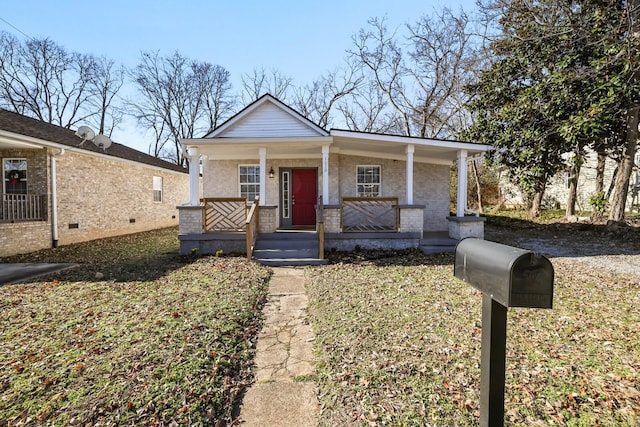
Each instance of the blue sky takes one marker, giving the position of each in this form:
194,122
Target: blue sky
301,39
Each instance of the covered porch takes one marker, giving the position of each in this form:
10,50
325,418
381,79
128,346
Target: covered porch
406,211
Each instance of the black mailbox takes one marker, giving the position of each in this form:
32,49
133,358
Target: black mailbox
511,276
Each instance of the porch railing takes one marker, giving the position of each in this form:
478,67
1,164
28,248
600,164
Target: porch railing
224,214
320,227
23,207
252,226
370,214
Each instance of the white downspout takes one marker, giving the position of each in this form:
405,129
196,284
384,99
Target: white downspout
54,200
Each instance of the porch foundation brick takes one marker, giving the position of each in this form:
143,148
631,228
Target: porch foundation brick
353,241
332,218
268,220
411,218
24,237
190,218
210,244
468,226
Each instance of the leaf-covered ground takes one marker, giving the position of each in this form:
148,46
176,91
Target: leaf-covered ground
398,344
134,336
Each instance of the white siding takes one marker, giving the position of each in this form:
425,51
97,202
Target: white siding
269,121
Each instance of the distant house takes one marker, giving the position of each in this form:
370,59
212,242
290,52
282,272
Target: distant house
344,189
557,189
57,190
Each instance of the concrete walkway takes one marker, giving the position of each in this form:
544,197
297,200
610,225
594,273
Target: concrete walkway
284,393
12,273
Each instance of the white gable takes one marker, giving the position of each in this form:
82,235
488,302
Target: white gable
270,121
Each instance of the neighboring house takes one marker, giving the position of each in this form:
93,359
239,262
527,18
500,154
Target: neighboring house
557,189
57,190
346,189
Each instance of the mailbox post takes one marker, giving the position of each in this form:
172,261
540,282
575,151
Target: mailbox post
507,277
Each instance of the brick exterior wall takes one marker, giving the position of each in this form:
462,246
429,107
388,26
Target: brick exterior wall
461,228
24,237
332,220
431,183
430,186
105,196
411,219
268,219
190,219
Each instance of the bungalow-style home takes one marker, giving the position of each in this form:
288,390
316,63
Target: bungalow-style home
271,178
59,189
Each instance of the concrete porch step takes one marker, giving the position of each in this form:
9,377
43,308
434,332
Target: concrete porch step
437,243
287,249
291,262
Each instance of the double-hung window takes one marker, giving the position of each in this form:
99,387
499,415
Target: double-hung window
368,180
14,172
157,188
249,181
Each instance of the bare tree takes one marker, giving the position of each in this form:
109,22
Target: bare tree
106,81
423,86
367,110
179,98
318,101
42,79
262,81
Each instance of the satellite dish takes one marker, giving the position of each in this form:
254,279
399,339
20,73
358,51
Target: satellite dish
102,141
86,133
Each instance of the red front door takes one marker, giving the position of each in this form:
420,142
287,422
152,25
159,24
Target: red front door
304,196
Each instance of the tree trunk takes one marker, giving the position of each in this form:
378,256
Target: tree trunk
602,159
536,203
573,191
572,196
621,185
478,188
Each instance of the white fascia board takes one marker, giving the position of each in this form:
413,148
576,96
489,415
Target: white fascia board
24,141
456,145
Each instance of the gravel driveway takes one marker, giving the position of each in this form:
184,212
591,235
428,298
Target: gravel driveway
593,247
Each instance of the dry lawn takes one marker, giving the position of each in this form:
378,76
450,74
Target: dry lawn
154,340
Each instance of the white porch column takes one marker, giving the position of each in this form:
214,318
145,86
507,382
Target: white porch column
462,183
325,174
410,150
262,151
194,176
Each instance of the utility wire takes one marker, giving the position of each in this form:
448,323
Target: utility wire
15,28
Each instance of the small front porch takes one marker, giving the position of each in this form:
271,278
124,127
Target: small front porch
231,225
22,207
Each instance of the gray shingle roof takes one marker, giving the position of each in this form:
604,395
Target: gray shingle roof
23,125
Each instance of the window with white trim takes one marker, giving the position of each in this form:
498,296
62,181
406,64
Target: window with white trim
157,188
368,181
14,172
249,178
